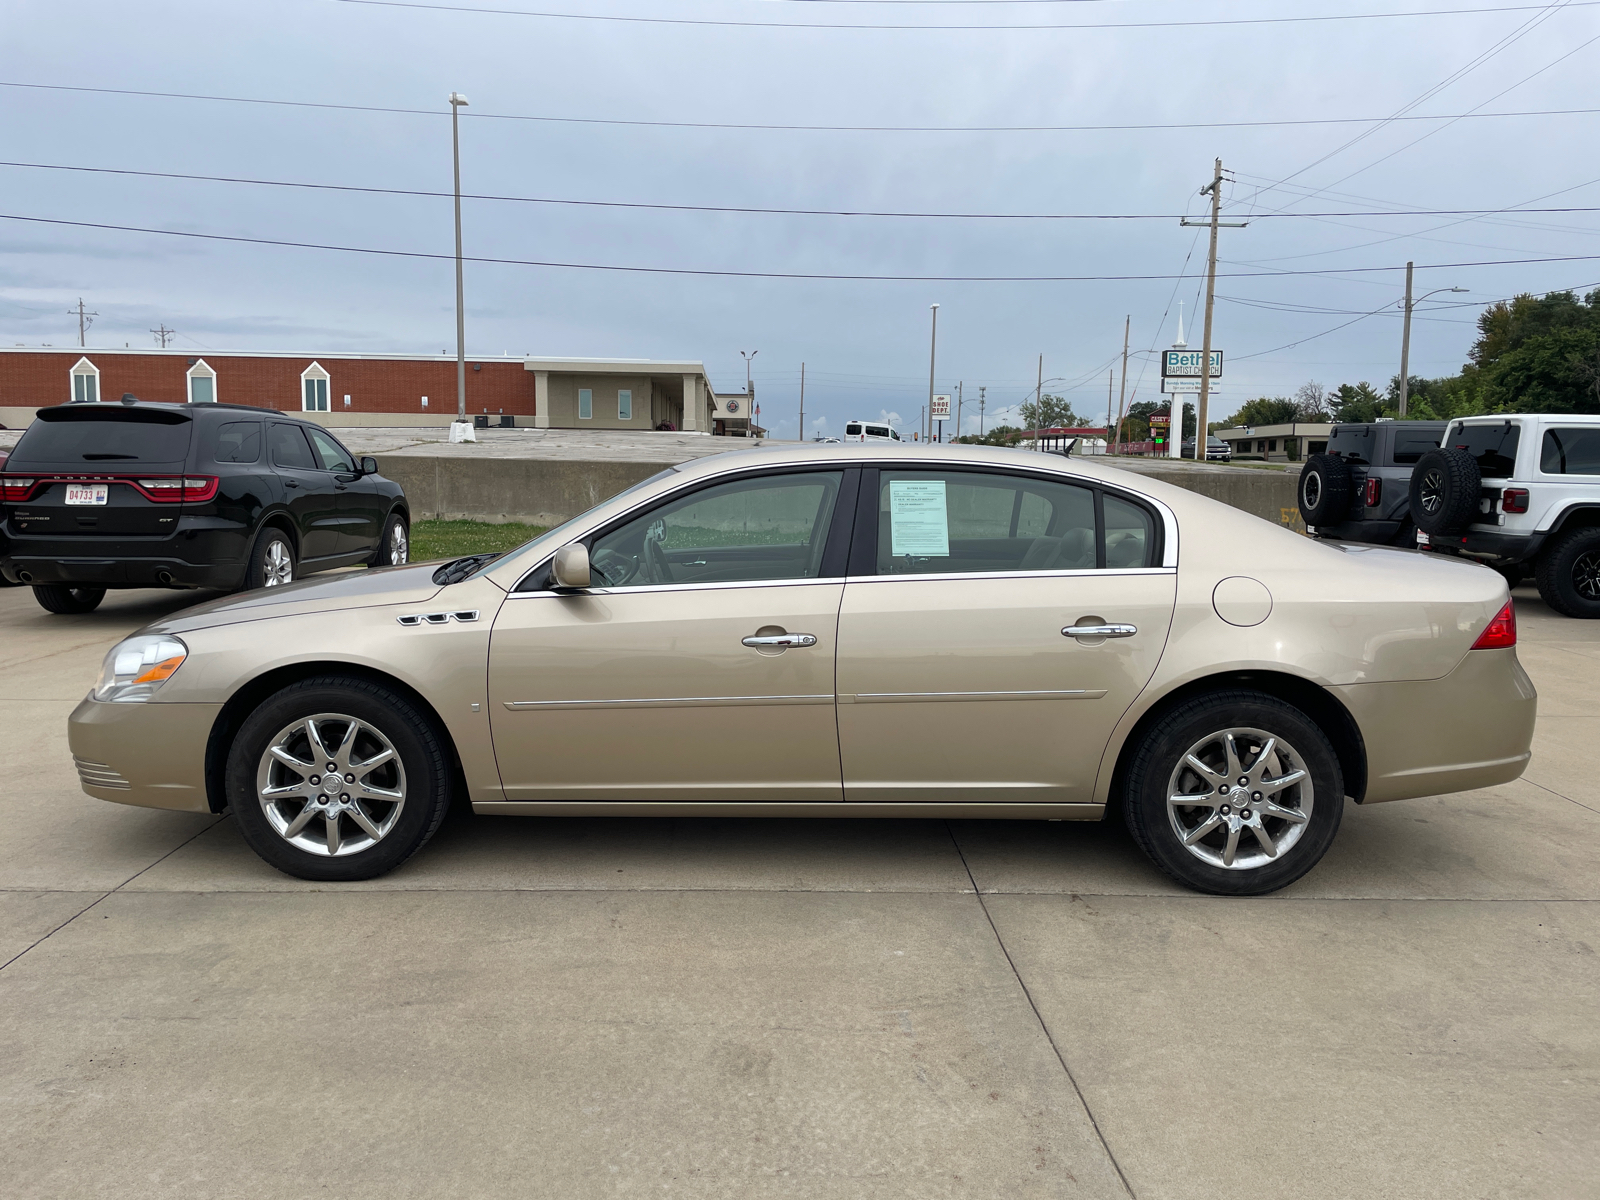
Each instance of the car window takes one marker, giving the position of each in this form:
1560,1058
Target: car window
1570,452
768,527
333,456
289,448
1494,446
238,442
1411,445
1130,534
852,430
103,438
1352,442
936,522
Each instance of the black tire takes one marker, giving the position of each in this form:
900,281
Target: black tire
1159,764
394,548
1444,491
265,567
1513,574
66,599
1324,490
1569,574
422,775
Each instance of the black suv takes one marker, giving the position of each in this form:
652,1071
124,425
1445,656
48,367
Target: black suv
1359,491
130,494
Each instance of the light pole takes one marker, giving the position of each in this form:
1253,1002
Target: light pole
933,348
464,431
1405,337
749,391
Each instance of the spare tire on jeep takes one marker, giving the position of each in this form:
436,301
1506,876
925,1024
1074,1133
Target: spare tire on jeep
1324,490
1444,491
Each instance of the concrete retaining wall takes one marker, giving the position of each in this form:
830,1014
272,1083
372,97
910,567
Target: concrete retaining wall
1270,495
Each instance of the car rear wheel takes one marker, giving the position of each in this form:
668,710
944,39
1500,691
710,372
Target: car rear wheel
1236,793
1569,574
66,599
271,560
337,779
1324,490
395,548
1444,491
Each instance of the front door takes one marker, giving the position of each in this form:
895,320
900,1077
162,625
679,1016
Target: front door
956,681
307,490
699,665
357,502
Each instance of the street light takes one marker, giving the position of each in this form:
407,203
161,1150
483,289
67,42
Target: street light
464,431
933,349
749,390
1405,337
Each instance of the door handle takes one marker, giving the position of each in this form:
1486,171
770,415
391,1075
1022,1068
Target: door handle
780,639
1099,631
291,483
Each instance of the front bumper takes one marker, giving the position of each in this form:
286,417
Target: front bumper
152,755
1470,729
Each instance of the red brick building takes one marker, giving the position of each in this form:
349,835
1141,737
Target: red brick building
369,389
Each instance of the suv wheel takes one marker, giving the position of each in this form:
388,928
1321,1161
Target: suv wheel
395,548
64,598
1324,490
1236,793
271,560
1569,574
337,779
1444,491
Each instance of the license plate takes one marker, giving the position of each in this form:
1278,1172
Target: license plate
87,493
1423,539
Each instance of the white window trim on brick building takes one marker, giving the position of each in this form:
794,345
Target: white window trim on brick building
314,399
202,370
86,371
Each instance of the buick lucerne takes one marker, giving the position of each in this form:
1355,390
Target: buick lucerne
853,630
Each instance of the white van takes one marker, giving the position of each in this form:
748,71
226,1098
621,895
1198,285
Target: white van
869,431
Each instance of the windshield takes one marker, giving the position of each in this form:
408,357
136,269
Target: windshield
103,441
553,539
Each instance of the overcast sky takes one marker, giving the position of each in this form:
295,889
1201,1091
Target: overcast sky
865,343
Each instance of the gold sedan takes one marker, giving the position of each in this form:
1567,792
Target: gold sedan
837,631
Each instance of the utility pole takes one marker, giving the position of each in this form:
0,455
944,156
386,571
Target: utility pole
457,103
933,349
1405,347
1038,400
982,388
959,385
1111,379
164,335
1202,411
1122,400
85,319
802,436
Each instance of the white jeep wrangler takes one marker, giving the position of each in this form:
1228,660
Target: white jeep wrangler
1521,493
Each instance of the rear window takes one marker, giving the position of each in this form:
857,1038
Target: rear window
1494,446
1411,445
1570,452
852,430
1352,442
238,442
103,440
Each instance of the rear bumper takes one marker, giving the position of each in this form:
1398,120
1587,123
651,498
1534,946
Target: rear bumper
1377,533
1470,729
83,570
1495,547
152,755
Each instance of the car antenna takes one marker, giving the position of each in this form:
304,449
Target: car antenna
129,398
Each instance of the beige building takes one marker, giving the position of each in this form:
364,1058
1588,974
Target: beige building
1292,442
623,393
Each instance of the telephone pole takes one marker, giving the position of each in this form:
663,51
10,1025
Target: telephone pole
933,350
959,385
85,319
982,388
457,103
164,335
1214,190
802,436
1405,338
1122,400
1038,401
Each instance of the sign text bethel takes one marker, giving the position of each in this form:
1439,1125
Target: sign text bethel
1186,364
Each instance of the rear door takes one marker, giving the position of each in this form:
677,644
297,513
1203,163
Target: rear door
958,678
308,490
359,505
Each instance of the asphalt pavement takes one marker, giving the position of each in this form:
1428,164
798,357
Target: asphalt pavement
722,1008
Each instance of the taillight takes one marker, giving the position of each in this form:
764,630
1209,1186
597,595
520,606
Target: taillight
1500,633
1514,500
1374,491
15,490
192,488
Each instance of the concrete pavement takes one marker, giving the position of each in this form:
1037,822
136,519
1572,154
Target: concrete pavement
778,1008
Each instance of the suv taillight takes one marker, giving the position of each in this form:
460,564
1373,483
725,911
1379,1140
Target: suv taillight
1500,633
15,490
1374,491
1514,500
193,488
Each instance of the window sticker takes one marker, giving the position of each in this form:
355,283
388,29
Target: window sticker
919,524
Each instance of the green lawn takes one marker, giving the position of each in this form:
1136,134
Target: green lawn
454,539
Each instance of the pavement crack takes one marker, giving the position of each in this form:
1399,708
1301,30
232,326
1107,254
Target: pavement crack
1562,796
1037,1015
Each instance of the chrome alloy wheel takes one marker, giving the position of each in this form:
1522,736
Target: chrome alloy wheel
1237,782
1430,492
331,785
1586,575
277,564
399,545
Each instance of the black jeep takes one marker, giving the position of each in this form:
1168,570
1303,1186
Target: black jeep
135,495
1359,491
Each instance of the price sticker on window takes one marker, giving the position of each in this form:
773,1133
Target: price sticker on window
919,524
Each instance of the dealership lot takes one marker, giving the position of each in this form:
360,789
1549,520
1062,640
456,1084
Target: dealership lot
823,1008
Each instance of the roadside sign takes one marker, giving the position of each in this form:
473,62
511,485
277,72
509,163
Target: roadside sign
941,408
1175,387
1186,363
1161,419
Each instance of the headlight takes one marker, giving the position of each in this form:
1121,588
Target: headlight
137,667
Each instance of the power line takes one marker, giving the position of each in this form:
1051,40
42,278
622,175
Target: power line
723,23
756,127
753,209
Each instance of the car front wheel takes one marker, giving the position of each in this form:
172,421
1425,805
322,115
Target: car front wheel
337,779
395,548
1236,793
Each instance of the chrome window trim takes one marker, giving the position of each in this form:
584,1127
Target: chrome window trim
1085,573
681,587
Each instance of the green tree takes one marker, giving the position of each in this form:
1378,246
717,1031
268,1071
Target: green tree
1265,410
1051,412
1000,435
1355,403
1536,354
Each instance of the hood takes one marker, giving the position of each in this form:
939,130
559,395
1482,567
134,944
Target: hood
412,584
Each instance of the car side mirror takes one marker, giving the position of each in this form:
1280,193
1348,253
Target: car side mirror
369,465
570,568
